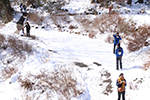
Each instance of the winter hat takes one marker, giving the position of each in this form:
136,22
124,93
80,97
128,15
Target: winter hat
117,33
120,74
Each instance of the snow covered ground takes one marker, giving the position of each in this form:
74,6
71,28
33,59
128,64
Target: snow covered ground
54,48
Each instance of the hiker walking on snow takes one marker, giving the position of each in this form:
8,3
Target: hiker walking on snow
27,29
121,83
117,39
119,54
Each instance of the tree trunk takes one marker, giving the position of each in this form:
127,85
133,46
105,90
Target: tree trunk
8,10
129,2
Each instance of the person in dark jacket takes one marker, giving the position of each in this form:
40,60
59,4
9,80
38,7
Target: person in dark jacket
117,39
21,7
119,54
27,29
121,83
24,8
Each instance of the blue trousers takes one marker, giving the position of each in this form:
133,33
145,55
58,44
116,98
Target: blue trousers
119,61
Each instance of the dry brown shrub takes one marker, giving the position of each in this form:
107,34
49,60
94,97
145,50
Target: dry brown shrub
60,21
7,72
133,86
136,36
36,18
72,27
139,38
2,40
92,34
146,66
58,82
103,23
18,46
135,44
109,39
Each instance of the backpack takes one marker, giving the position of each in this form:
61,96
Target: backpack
29,27
117,38
119,51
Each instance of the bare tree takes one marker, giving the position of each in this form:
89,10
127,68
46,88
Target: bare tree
5,10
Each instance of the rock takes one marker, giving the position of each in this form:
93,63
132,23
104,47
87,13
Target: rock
97,64
80,64
43,27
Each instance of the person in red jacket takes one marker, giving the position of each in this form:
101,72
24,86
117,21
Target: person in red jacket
121,83
110,8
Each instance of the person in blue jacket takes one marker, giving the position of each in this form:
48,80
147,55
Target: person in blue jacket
117,39
119,54
121,83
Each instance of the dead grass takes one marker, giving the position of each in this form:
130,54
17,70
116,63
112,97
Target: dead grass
60,82
101,24
60,21
7,72
134,85
146,66
135,35
139,37
109,39
2,40
72,27
92,34
18,46
36,18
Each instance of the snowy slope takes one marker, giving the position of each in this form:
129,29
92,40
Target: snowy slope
73,48
53,48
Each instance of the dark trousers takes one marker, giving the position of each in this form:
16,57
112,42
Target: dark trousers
119,60
123,95
28,34
114,48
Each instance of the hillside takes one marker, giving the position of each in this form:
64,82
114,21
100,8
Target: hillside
68,57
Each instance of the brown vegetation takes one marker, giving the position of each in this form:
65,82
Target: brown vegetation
59,82
136,36
6,12
36,18
146,66
109,39
101,24
17,46
139,37
7,72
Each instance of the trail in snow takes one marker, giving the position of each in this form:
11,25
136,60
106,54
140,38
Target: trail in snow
69,48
